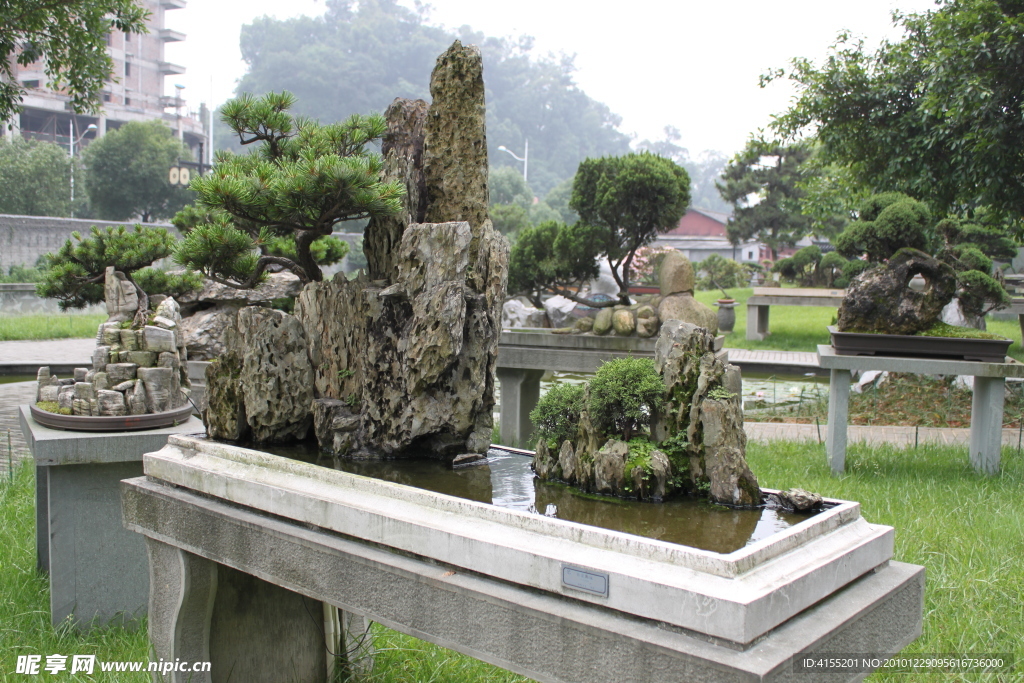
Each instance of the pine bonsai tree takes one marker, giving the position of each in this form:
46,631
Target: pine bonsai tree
300,181
75,274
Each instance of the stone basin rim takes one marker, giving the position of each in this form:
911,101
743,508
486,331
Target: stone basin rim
111,423
734,564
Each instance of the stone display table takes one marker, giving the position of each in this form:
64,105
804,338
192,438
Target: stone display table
764,297
247,550
97,569
524,356
986,406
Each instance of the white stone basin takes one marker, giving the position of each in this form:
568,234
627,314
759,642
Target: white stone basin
737,596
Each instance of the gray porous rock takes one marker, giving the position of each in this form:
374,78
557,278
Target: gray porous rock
676,274
881,299
685,308
411,347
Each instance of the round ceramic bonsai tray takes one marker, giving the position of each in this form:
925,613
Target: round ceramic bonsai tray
111,423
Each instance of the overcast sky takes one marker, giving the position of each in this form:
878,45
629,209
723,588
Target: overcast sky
692,65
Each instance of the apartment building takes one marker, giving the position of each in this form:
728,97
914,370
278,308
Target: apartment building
135,92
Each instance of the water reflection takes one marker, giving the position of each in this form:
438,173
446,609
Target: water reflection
505,479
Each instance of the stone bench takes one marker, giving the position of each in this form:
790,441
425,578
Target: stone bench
758,305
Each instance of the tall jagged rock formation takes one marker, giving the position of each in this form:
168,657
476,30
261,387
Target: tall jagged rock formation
405,355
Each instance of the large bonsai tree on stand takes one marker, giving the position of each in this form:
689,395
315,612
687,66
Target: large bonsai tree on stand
301,180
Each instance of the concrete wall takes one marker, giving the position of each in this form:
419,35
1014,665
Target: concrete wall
23,239
21,299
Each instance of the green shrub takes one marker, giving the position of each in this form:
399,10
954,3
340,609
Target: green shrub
624,394
718,272
557,414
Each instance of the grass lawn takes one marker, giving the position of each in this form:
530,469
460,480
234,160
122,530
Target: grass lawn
53,326
966,529
802,328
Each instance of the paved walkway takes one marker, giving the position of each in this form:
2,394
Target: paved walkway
77,352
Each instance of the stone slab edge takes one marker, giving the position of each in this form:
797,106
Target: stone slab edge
829,359
532,550
61,447
880,612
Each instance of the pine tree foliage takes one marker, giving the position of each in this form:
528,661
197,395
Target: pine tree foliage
300,181
771,173
75,273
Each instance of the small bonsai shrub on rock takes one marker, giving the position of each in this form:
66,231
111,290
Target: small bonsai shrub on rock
624,395
648,429
557,415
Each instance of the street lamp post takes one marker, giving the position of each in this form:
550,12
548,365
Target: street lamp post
525,158
72,142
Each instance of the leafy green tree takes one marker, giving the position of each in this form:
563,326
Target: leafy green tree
75,273
69,39
937,115
302,180
358,57
557,415
552,257
630,200
509,219
558,199
624,394
769,172
34,178
888,221
718,272
128,173
506,186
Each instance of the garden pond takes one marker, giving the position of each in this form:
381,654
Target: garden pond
506,480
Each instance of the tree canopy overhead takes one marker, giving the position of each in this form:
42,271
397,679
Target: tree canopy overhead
69,37
938,115
359,56
128,170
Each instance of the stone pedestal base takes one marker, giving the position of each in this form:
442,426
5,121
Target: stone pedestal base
97,569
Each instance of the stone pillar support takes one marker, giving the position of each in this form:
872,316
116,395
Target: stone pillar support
838,413
987,423
520,391
757,321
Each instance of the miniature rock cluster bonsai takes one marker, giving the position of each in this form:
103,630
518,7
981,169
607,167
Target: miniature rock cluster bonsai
135,371
648,429
954,256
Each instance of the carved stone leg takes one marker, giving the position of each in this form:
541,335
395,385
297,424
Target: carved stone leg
182,590
263,633
987,424
757,322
